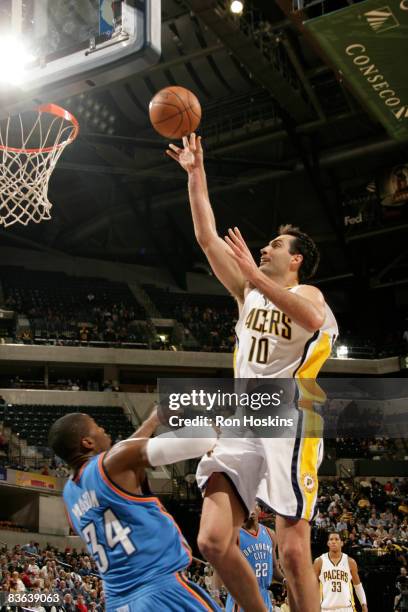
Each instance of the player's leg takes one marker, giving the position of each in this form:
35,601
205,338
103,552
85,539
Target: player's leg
294,551
221,519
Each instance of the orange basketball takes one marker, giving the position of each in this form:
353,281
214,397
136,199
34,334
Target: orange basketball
175,112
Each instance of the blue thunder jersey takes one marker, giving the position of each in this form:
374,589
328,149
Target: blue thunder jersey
132,539
258,551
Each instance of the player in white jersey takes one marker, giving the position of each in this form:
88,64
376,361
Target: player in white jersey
337,573
285,329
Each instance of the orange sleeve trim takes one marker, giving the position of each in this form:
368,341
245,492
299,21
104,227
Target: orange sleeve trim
193,593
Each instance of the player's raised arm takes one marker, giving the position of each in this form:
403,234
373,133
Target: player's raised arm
358,587
139,451
218,253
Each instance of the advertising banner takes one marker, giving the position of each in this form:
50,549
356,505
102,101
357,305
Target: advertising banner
368,44
38,481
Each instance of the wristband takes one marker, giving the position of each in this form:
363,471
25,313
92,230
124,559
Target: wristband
360,594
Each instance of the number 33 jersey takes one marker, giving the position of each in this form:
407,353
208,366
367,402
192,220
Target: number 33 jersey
132,539
336,587
271,345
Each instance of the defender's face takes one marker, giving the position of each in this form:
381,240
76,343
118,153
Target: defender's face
101,440
334,543
276,257
255,513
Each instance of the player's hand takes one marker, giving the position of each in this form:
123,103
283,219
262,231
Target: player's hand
364,608
242,255
190,157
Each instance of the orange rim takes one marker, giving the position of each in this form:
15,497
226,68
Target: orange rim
58,111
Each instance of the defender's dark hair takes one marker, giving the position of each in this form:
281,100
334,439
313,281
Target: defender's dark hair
335,533
65,435
305,246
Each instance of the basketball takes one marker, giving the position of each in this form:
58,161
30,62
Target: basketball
175,112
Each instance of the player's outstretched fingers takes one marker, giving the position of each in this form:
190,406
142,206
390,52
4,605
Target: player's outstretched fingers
192,142
199,145
238,233
172,155
235,250
175,148
234,238
186,143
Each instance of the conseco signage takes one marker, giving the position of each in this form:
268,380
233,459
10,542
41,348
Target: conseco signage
368,43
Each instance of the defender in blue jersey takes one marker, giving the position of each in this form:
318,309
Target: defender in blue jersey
257,544
138,548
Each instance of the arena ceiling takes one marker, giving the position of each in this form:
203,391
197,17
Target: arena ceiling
284,141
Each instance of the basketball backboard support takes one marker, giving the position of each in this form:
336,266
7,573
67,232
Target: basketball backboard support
52,49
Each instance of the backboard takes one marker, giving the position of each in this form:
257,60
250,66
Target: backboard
51,49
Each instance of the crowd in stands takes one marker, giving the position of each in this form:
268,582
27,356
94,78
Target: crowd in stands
207,321
209,329
375,448
66,310
371,517
72,575
368,514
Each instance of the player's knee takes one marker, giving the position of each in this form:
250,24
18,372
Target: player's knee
212,547
293,555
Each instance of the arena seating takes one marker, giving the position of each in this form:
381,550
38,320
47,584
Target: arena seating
208,319
32,422
67,307
78,310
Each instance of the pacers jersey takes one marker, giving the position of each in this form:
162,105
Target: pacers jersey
132,539
336,587
258,551
271,345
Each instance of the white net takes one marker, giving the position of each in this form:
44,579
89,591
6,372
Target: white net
30,146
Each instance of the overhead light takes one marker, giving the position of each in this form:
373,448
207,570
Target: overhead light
342,351
236,7
14,59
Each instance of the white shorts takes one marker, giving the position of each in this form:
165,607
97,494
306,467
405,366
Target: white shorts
348,609
280,472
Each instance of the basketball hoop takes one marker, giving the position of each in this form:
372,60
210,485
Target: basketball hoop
30,145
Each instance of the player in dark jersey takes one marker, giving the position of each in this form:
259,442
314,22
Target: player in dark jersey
258,545
139,550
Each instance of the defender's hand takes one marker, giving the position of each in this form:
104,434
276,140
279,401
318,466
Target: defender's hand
190,157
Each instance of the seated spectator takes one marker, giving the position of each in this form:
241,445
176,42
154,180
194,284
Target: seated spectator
80,604
68,602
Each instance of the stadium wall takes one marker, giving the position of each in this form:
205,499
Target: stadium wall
11,538
127,273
